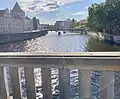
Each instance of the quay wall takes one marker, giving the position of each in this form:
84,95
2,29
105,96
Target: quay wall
15,37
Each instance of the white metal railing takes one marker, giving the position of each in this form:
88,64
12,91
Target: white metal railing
84,62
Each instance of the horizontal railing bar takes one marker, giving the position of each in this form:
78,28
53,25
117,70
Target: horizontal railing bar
113,58
65,60
57,63
59,54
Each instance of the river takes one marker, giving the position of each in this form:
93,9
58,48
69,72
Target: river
69,42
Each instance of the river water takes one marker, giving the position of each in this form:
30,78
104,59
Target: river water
69,42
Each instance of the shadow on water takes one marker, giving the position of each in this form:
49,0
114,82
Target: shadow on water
96,45
13,47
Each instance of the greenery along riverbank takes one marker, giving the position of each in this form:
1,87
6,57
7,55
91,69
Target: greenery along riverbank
105,16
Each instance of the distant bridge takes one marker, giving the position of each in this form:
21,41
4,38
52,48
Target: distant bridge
71,29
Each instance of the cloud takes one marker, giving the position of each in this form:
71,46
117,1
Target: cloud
43,5
79,13
87,7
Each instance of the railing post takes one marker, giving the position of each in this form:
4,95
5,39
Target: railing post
30,83
64,83
46,83
3,91
15,83
84,82
6,82
117,85
107,85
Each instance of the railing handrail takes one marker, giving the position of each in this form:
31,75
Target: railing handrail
86,60
60,54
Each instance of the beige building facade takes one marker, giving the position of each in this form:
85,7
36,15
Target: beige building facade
14,21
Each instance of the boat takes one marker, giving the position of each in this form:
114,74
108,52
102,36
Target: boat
64,32
112,39
59,33
6,38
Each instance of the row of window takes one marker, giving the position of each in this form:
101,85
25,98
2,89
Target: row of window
10,29
13,23
1,24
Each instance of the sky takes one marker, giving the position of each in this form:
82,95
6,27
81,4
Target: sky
48,11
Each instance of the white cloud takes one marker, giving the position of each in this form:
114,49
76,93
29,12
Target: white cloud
43,5
26,0
86,7
80,13
67,1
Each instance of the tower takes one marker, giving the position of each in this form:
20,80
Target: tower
17,12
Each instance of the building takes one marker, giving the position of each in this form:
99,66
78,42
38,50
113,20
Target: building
12,21
43,26
28,24
68,23
4,17
63,24
17,19
83,22
59,24
38,25
17,12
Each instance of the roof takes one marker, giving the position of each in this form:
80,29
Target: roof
27,18
17,9
59,21
2,13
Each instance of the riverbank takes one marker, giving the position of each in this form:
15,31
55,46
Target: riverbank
111,39
96,35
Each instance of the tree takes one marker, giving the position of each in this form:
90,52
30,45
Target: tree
105,16
73,23
34,23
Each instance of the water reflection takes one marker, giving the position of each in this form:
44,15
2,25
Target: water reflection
96,45
69,42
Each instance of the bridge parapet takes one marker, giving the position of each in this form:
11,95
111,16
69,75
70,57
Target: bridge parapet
64,62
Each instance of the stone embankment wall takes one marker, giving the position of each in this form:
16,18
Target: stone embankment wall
15,37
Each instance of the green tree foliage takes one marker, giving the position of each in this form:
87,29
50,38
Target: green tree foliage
77,24
74,23
96,19
105,16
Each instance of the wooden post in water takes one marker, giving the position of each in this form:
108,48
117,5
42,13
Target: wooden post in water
64,83
107,85
84,84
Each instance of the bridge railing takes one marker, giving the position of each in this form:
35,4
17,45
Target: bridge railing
64,62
